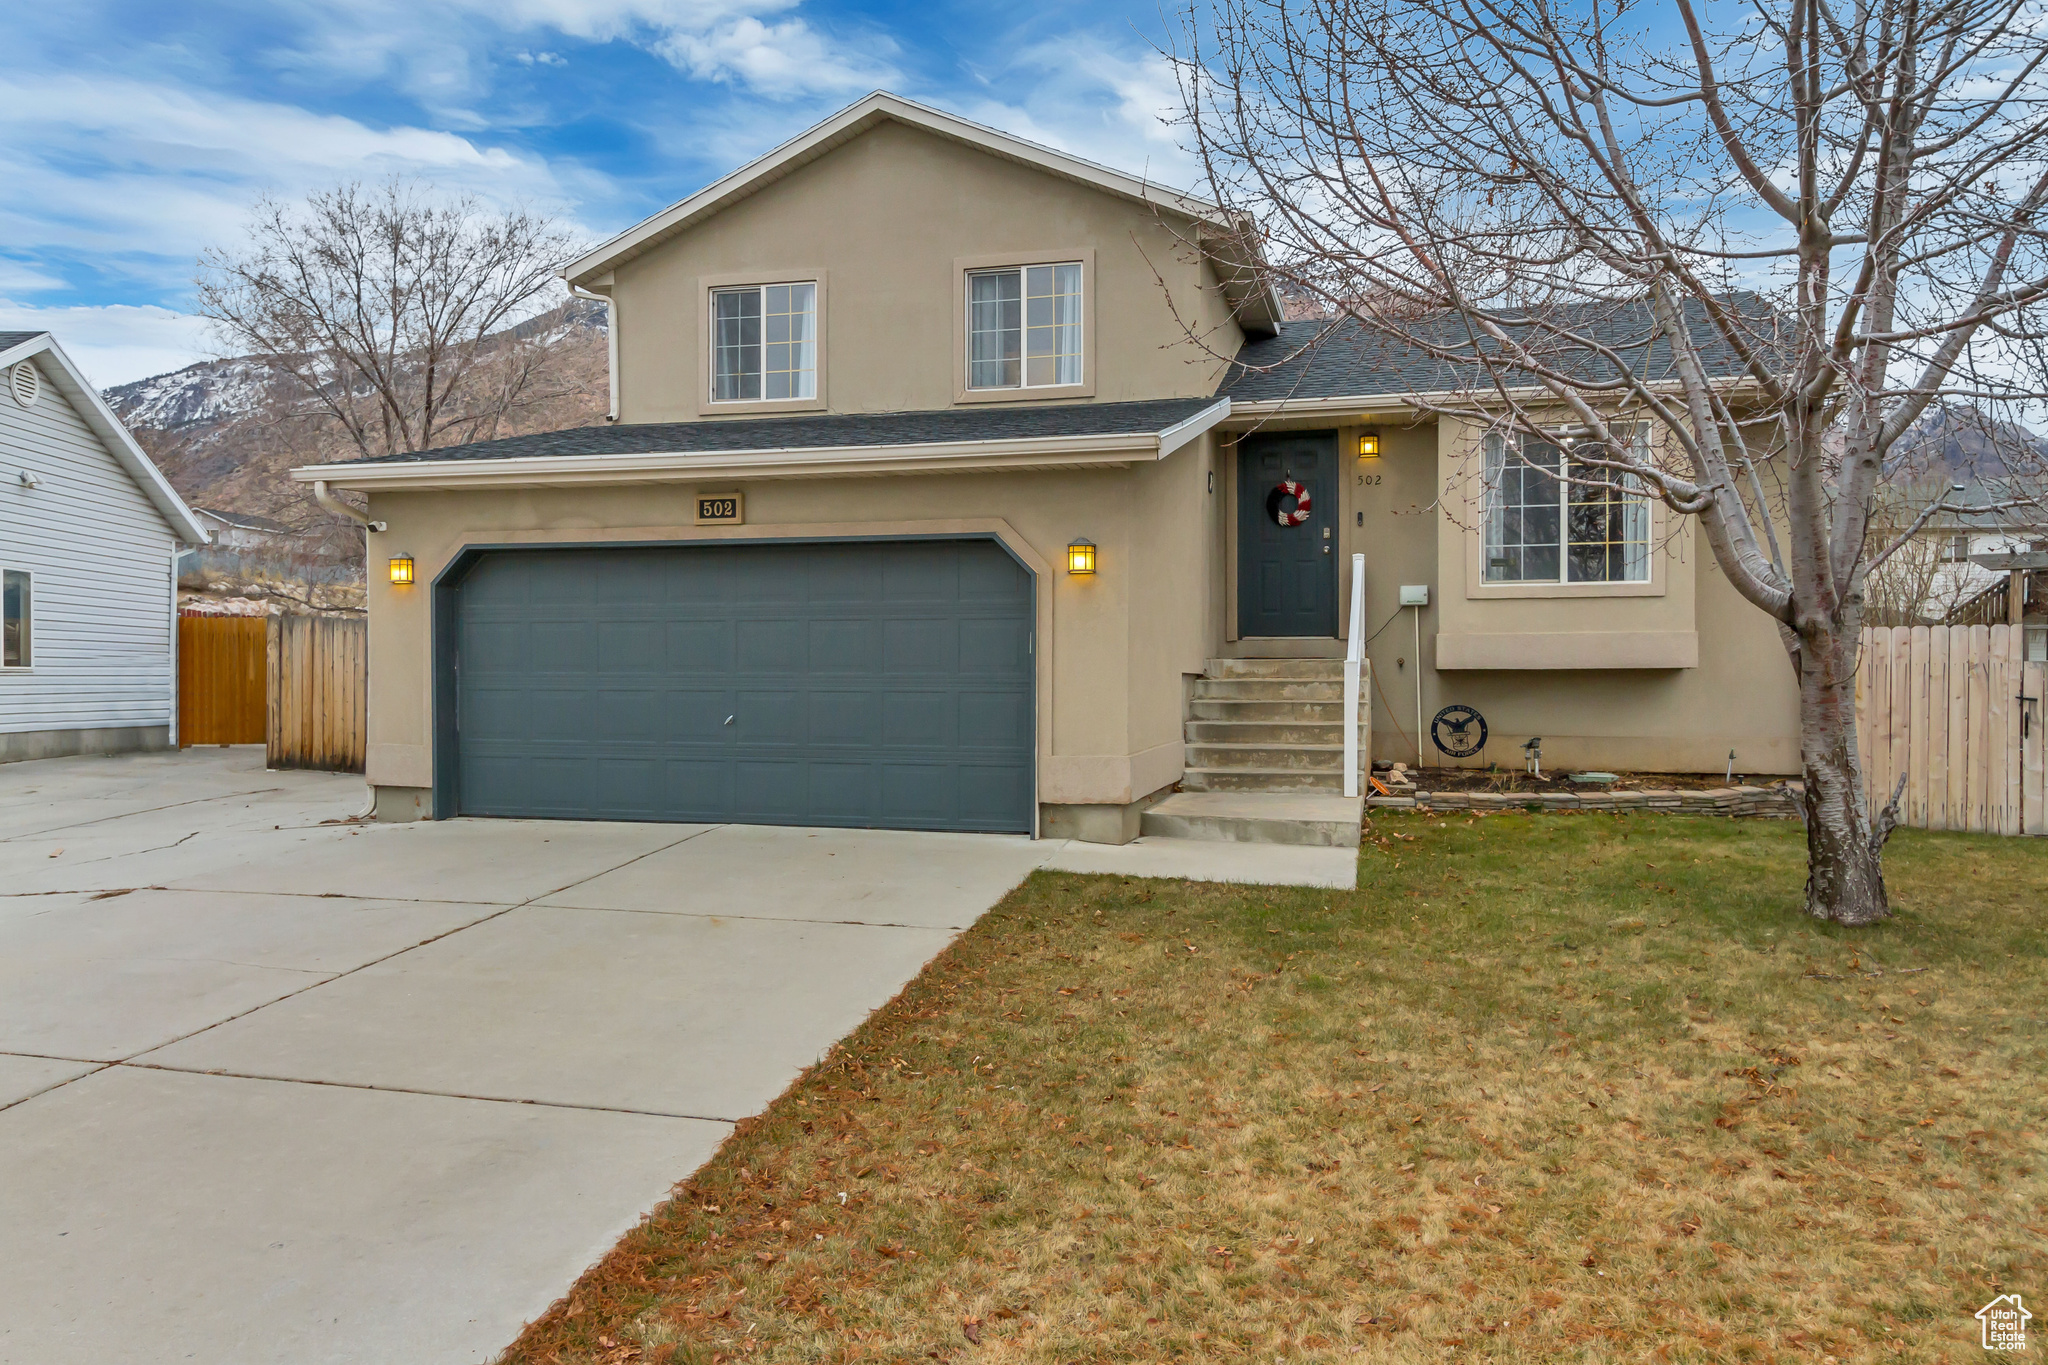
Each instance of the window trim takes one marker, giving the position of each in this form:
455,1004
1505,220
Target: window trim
1478,587
30,575
709,404
963,266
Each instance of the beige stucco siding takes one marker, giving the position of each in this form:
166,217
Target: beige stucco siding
887,224
1112,648
1559,657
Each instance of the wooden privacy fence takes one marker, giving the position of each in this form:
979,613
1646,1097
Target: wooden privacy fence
1959,713
220,680
319,687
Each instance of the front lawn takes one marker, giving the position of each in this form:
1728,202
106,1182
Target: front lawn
1547,1088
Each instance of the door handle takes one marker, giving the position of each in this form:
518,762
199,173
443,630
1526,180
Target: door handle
729,720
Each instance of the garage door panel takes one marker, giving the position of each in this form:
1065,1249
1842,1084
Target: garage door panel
771,718
629,788
986,792
700,646
770,791
693,715
921,645
843,793
993,580
871,684
994,720
845,574
629,646
563,644
991,646
771,646
849,646
844,719
917,792
697,789
920,720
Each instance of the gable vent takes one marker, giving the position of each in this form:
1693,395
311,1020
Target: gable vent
25,382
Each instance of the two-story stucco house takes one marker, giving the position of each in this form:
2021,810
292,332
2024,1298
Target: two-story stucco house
89,538
922,508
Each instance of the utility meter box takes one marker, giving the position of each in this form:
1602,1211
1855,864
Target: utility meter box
1415,594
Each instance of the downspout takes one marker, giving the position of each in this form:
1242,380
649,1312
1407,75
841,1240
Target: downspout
340,508
177,697
611,343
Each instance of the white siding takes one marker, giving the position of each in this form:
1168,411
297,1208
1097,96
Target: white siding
100,553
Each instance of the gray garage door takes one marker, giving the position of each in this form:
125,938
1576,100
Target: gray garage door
871,685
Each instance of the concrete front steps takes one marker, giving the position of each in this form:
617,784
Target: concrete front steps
1265,757
1301,818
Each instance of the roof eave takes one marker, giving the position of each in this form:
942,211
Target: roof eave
792,462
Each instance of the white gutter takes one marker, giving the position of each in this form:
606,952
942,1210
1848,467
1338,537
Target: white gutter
789,462
336,505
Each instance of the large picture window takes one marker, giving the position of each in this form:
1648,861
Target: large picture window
764,343
1024,327
16,607
1550,519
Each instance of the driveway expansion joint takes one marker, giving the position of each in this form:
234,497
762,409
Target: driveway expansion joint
225,1074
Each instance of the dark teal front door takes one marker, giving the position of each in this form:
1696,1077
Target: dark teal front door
1286,562
871,685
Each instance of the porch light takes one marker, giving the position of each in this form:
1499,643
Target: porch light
401,569
1368,444
1081,556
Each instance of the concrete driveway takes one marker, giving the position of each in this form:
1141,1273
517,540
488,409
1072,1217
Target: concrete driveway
277,1086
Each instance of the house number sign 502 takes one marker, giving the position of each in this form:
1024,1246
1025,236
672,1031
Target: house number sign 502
720,509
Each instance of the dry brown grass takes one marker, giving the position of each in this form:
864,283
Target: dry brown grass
1553,1088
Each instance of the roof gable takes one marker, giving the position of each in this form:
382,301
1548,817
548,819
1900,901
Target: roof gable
93,410
1252,300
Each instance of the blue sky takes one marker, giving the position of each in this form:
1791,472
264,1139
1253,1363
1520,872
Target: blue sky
132,135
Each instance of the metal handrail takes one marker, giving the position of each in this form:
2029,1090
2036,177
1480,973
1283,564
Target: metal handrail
1354,659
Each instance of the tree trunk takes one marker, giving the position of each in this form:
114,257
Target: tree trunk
1845,872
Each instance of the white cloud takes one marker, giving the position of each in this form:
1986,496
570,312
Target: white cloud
138,177
431,44
783,60
1098,99
118,342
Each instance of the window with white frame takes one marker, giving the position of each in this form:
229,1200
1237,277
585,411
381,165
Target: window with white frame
1553,519
1024,327
1957,548
764,343
16,605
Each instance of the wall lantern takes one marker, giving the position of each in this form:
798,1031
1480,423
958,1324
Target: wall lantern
1081,557
401,569
1368,444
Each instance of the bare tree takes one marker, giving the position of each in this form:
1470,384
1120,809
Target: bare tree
393,312
1769,236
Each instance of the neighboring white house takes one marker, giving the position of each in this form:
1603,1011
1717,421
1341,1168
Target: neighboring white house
89,539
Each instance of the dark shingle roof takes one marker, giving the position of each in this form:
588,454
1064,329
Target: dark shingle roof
10,340
1321,358
829,430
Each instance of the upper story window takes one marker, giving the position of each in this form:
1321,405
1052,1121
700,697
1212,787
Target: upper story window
1551,519
1024,327
15,606
764,343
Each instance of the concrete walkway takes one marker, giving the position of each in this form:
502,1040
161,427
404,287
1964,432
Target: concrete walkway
276,1086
